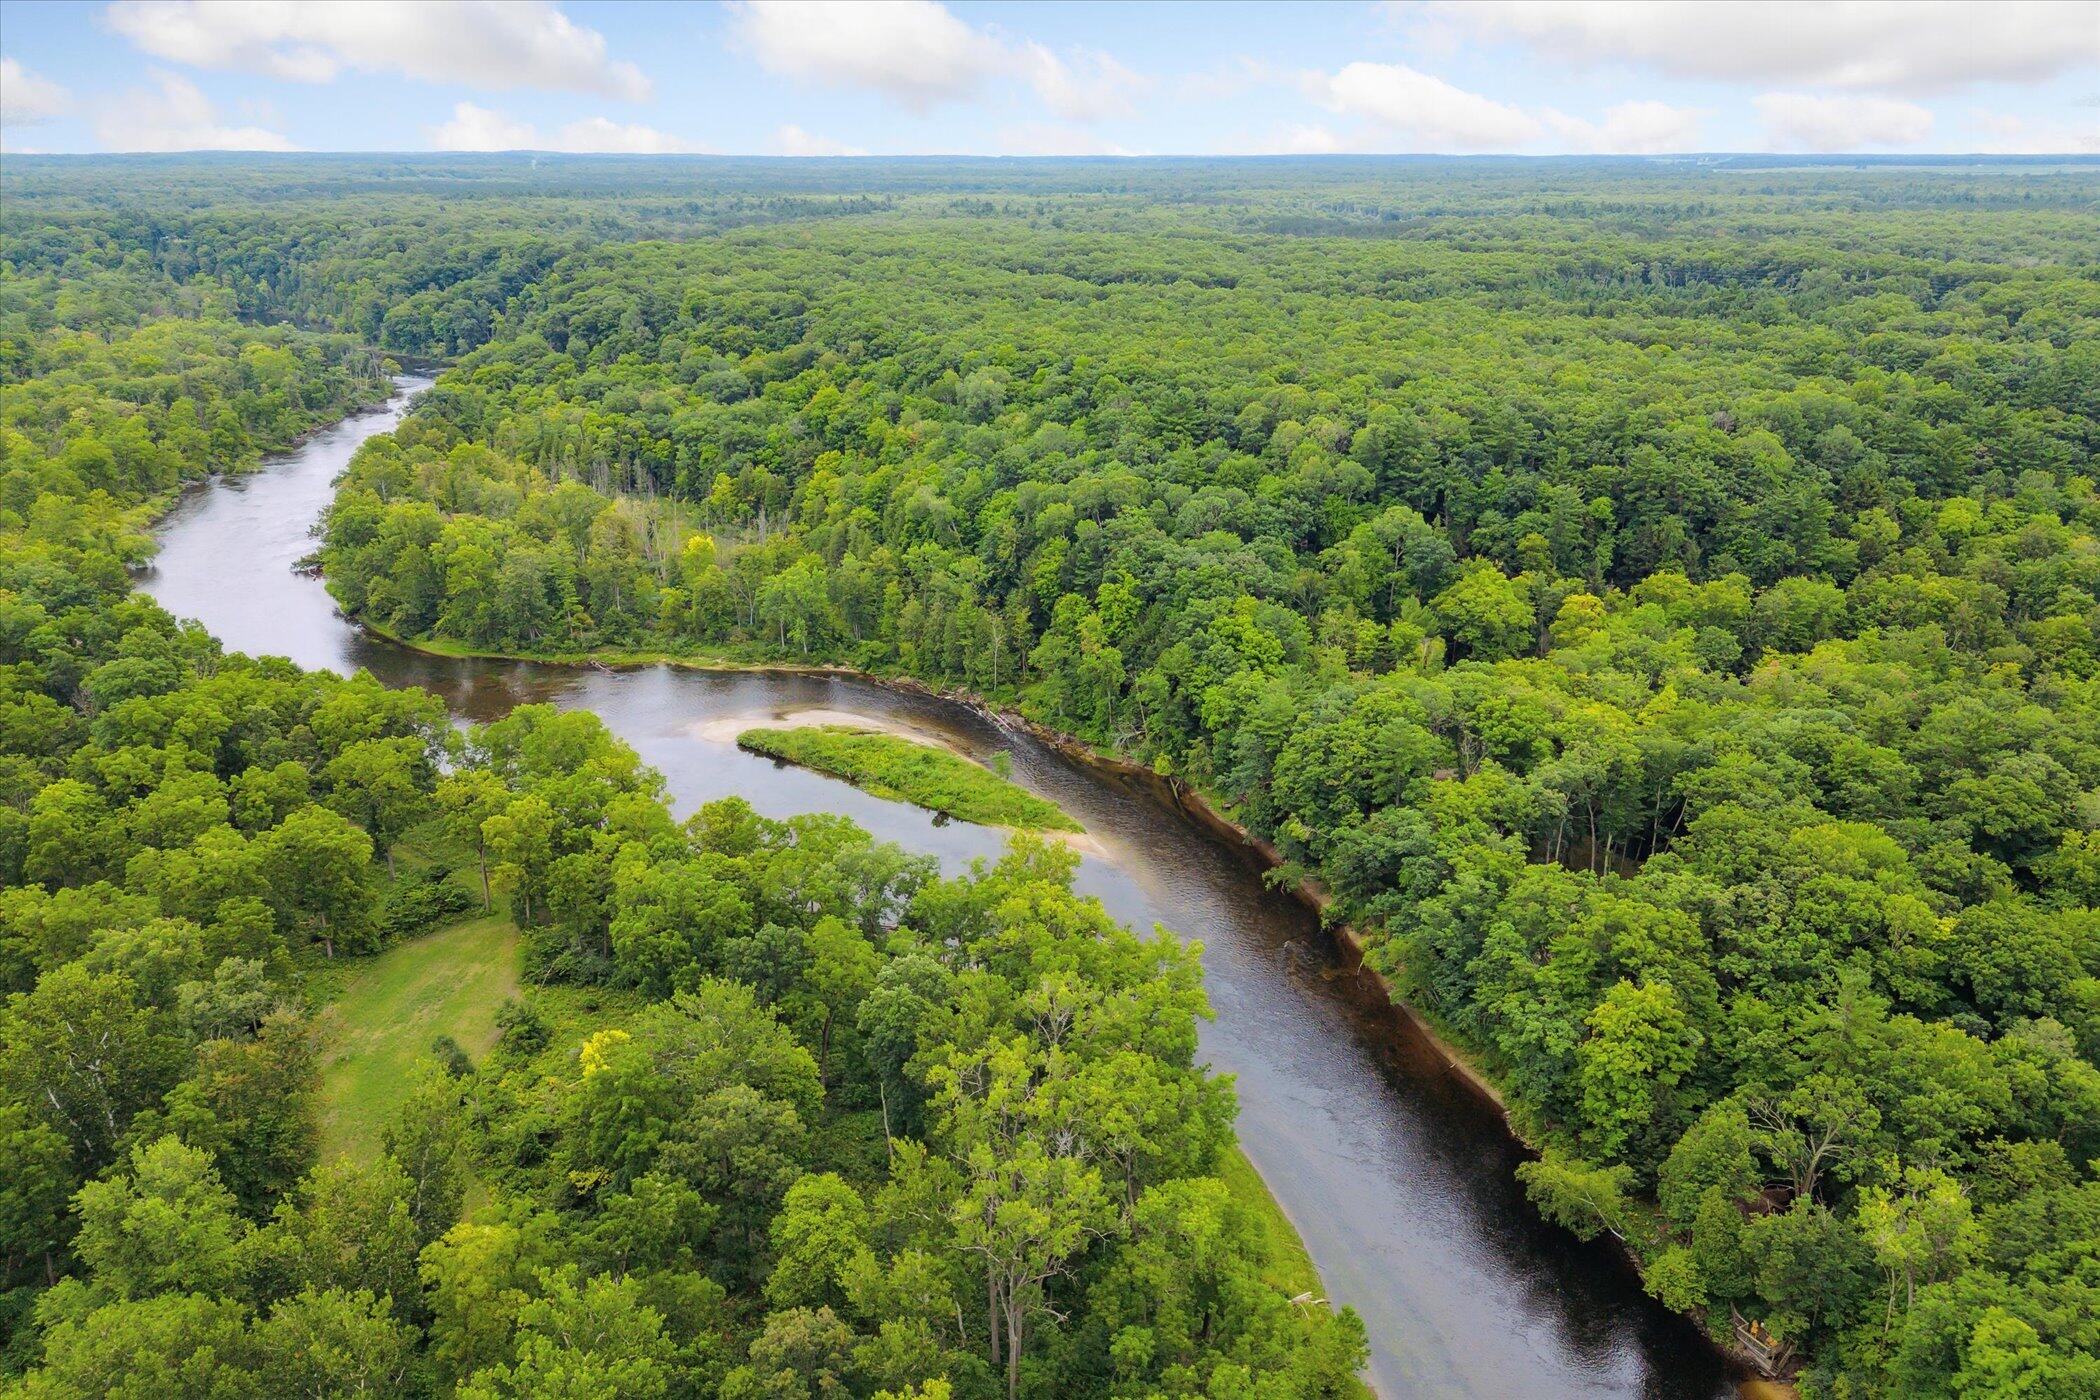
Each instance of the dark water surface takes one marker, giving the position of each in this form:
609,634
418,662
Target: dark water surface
1397,1178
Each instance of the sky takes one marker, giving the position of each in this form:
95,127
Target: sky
918,77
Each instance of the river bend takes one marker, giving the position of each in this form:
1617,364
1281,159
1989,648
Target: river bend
1396,1175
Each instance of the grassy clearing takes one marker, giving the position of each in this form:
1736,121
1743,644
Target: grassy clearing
905,771
393,1006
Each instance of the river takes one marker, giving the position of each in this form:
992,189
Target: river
1395,1174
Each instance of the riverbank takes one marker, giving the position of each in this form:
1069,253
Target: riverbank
1210,813
1396,1180
1433,1048
1295,1265
155,508
1200,807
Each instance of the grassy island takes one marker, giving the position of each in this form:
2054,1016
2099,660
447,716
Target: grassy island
907,771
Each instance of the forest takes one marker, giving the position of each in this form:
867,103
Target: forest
1658,605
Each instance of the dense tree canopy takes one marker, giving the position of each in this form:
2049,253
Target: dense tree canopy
1657,604
787,1115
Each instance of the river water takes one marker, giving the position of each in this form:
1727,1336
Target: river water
1395,1174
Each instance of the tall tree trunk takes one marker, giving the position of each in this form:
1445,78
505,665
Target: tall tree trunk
1013,1348
991,1311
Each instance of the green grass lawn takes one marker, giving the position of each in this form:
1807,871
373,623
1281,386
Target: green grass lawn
393,1006
905,771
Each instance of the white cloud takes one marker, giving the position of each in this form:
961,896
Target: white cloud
792,140
1630,128
1908,46
912,50
2005,134
499,44
1421,111
1797,121
475,128
621,138
26,98
1397,108
918,53
1308,140
1092,86
176,116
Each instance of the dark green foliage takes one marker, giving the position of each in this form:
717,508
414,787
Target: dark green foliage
185,828
420,902
525,1029
1658,603
1665,620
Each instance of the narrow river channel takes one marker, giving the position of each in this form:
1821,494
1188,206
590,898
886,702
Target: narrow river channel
1397,1177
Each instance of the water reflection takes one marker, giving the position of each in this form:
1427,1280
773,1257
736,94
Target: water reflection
1398,1179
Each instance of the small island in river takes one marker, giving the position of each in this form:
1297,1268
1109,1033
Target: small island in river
905,770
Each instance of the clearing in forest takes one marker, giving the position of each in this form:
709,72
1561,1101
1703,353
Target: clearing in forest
394,1008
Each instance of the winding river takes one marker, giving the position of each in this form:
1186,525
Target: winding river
1396,1175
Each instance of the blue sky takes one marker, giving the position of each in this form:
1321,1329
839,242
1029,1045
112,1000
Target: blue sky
806,77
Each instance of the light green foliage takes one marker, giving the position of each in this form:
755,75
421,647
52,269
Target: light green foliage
1716,1155
180,1344
383,785
1486,613
592,1338
1583,1199
1921,1232
319,870
85,1056
335,1343
819,1238
1675,1278
1197,1259
1640,1045
347,1226
166,1226
476,1278
906,771
426,1135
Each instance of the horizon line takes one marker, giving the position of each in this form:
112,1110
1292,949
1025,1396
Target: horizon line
2083,157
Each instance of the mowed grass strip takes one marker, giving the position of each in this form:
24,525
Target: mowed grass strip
391,1010
904,771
